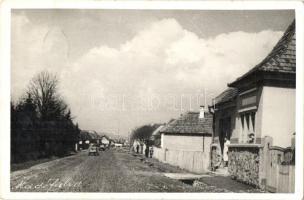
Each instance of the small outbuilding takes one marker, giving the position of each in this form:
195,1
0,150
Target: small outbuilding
185,142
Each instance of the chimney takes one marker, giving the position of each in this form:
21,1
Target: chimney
202,112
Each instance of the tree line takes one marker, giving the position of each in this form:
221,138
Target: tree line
41,122
143,133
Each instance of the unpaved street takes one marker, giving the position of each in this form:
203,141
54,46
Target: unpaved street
111,171
114,170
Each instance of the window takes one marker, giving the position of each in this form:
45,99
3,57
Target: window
248,126
253,120
242,119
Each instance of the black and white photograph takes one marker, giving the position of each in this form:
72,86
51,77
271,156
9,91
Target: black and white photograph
132,100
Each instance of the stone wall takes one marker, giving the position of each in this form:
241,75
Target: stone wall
244,163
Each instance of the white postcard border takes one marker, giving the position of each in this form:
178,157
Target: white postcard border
6,7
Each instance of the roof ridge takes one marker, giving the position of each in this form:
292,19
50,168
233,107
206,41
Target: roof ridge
282,46
190,123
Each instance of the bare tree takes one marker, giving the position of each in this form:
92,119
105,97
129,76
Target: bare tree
43,89
143,133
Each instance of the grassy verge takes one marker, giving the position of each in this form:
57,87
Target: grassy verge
30,163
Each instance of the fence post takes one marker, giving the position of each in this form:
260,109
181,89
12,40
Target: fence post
291,169
263,161
279,168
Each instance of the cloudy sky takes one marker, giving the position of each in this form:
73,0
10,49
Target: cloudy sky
119,69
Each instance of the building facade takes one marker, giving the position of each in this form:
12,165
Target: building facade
257,113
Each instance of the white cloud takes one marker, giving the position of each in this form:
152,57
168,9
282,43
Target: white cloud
166,53
162,59
35,48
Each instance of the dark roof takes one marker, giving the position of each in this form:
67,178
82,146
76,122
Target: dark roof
190,123
281,59
227,95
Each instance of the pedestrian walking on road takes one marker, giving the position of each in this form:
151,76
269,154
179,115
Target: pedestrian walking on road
147,151
137,148
151,152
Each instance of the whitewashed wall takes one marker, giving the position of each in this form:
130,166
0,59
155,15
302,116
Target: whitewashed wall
193,156
278,114
188,143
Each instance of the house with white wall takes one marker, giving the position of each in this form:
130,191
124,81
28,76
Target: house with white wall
257,113
185,142
265,102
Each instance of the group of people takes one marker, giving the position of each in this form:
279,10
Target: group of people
148,150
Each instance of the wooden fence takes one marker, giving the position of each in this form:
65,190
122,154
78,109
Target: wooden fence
159,154
194,161
286,179
281,179
280,172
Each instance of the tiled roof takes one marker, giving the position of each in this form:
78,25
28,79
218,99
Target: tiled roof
190,123
281,59
226,96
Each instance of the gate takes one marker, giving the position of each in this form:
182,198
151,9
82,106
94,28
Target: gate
273,162
279,178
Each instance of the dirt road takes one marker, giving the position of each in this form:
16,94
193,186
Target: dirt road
114,170
111,171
